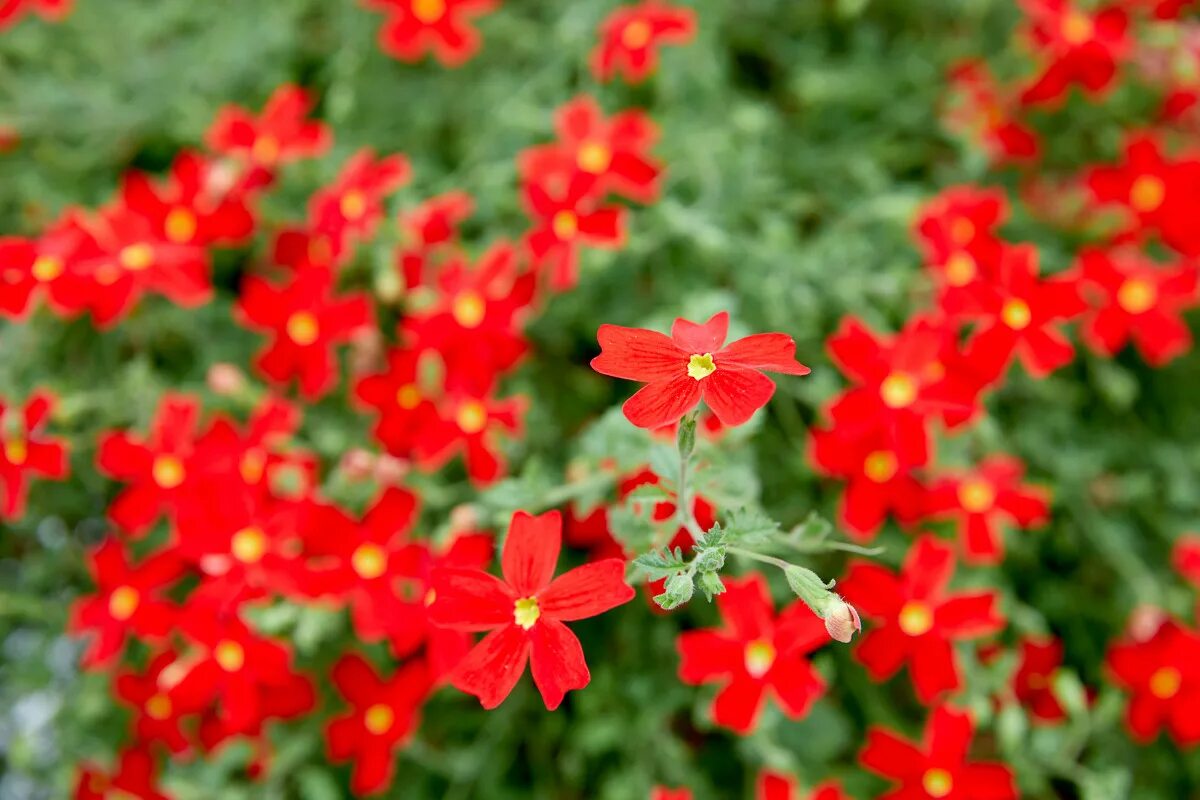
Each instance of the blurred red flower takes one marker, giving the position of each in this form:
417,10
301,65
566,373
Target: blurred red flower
1162,674
25,450
1077,47
279,135
630,37
442,27
566,216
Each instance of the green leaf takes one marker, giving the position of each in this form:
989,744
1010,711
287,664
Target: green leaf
657,565
710,583
750,525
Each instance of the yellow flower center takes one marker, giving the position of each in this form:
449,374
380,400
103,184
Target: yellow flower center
1165,683
158,707
881,466
167,471
123,602
565,225
898,390
593,157
265,150
469,309
230,655
379,719
1147,194
252,465
1077,28
916,618
248,545
636,34
47,268
302,328
1016,314
760,657
16,451
353,205
180,226
962,230
136,257
428,11
526,612
408,396
960,269
1137,295
976,495
937,782
369,561
701,366
471,417
430,597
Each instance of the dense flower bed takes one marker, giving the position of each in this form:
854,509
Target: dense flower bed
326,418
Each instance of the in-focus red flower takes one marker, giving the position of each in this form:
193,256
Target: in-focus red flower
982,500
1135,299
525,613
986,115
279,135
1078,47
1162,675
414,27
52,10
305,321
694,364
937,769
26,450
879,474
917,621
383,716
135,777
1019,313
157,469
614,151
1159,194
754,655
128,600
1033,683
566,216
631,35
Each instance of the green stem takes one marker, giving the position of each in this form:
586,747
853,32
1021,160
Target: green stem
778,562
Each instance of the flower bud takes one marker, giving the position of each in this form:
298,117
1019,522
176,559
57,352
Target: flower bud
357,464
464,517
226,380
390,470
841,620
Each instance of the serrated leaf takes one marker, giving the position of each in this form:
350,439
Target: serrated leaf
750,525
661,564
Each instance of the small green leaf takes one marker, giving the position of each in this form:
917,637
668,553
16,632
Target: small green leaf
658,565
710,583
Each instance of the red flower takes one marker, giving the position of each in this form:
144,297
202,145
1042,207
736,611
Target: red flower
565,217
279,135
957,232
53,265
305,321
441,26
937,769
1136,299
1033,683
430,228
1159,194
352,206
151,694
614,151
694,364
984,498
384,715
157,469
128,599
406,411
630,36
918,622
1163,675
525,613
192,208
985,114
24,449
134,778
663,793
234,666
878,471
468,422
755,654
1019,313
1079,48
52,10
1185,557
301,249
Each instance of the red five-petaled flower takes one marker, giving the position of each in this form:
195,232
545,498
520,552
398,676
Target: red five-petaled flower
414,26
525,613
24,449
754,655
917,621
629,38
1163,675
279,135
383,716
694,364
937,769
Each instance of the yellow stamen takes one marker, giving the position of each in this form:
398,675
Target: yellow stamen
1016,314
408,396
937,783
898,390
1165,683
123,602
760,657
636,34
593,157
302,328
976,495
1137,295
379,719
353,205
1147,194
230,655
47,268
428,11
16,451
916,618
565,225
369,561
472,417
265,150
962,230
701,366
960,269
136,257
181,225
881,466
167,471
158,707
249,545
469,309
1077,28
526,612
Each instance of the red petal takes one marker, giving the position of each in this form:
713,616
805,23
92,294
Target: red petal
734,393
493,667
557,661
770,351
638,355
705,655
739,704
889,755
470,600
586,591
531,551
695,338
663,402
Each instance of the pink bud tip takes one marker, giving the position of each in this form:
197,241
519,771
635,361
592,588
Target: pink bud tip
842,620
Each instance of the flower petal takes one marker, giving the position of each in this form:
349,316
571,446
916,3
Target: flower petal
493,667
470,600
770,351
637,354
531,551
556,661
586,591
693,337
734,392
661,403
